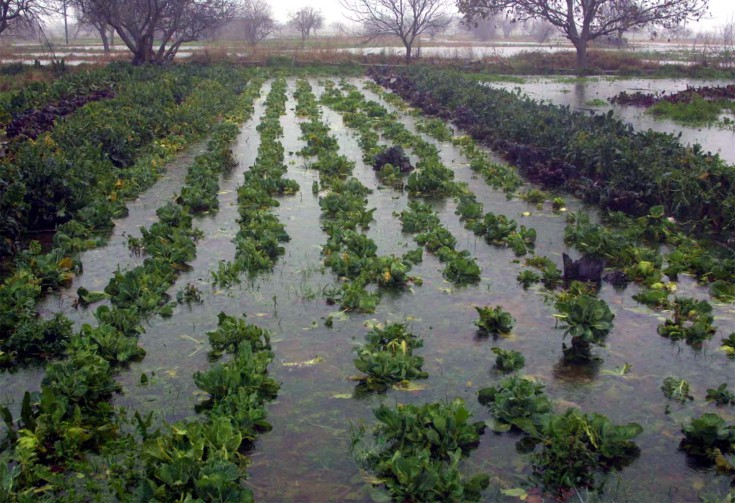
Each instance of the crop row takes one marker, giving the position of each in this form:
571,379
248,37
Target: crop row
349,252
431,178
598,157
72,417
107,151
22,334
258,241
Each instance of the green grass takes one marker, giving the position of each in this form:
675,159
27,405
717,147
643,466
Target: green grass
597,102
493,77
697,111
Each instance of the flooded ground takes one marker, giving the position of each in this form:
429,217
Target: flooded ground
591,95
306,456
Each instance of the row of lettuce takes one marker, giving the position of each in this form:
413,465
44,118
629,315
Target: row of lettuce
76,178
258,240
70,427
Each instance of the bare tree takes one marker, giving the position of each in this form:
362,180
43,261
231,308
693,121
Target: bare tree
154,30
540,30
484,29
406,19
583,20
88,15
256,20
306,20
20,12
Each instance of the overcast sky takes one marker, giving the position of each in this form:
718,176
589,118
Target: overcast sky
720,11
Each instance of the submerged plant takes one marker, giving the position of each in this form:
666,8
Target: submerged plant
587,320
575,446
692,322
189,294
387,357
728,345
527,278
508,361
721,395
494,320
708,435
417,451
676,389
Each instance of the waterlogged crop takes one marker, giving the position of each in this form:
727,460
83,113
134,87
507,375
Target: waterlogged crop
388,357
721,395
494,320
517,403
416,451
576,446
258,240
620,168
508,361
707,437
500,230
204,458
587,320
72,416
676,389
692,322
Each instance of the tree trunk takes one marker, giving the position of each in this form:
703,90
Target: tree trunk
105,42
408,54
582,59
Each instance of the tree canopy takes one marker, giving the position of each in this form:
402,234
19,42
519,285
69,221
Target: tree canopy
581,21
154,30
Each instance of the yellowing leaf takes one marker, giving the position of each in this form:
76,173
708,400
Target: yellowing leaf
408,386
66,263
516,492
308,363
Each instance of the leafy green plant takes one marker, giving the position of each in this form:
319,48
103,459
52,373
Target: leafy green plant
676,389
728,345
587,320
707,434
533,196
508,361
721,395
232,332
387,357
462,269
558,204
494,320
527,278
190,294
654,298
575,446
417,450
517,403
692,322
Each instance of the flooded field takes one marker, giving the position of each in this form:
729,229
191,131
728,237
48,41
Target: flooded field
306,457
591,94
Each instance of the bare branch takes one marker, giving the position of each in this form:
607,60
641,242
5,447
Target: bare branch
583,20
405,19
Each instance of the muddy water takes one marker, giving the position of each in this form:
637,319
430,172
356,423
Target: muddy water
306,456
579,95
